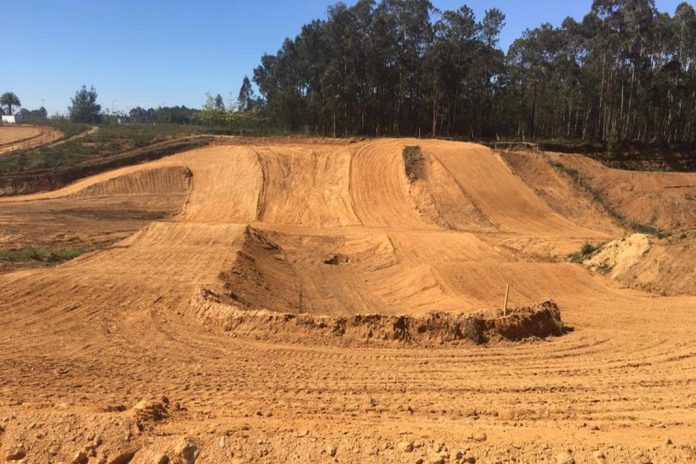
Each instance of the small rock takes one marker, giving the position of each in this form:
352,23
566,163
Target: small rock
669,441
331,450
151,410
123,457
163,459
564,458
436,459
221,442
480,436
80,458
16,453
469,459
405,446
188,450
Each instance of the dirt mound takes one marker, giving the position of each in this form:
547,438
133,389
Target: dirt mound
617,256
541,320
664,266
174,179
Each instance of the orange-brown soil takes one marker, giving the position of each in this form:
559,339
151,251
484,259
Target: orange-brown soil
155,350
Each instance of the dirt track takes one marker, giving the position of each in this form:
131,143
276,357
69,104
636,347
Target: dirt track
14,138
332,228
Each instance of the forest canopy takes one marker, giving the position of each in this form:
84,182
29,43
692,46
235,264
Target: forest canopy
625,72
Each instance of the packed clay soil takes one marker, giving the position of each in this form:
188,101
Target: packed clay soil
22,137
127,354
666,200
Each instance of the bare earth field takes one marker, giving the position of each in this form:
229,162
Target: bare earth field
249,306
22,137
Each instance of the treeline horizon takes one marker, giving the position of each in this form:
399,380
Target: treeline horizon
625,72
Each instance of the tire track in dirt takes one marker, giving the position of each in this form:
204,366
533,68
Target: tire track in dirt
111,328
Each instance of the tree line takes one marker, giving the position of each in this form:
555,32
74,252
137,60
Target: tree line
625,72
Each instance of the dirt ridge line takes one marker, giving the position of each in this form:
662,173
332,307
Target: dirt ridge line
83,134
537,321
52,179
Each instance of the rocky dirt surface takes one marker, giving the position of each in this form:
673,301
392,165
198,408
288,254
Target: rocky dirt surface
106,360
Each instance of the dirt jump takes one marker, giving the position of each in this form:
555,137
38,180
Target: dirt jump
325,301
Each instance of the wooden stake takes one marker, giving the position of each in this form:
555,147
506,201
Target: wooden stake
507,292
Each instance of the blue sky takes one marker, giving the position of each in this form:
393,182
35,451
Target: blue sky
167,52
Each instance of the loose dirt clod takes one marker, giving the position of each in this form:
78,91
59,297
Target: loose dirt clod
16,453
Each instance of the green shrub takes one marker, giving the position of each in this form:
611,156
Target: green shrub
49,255
587,250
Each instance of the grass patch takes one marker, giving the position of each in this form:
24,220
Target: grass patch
414,163
68,128
603,268
600,198
586,252
46,255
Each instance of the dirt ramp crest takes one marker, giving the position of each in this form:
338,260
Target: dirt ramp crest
500,195
380,188
306,185
169,179
226,184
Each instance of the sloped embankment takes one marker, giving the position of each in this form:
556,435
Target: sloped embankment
645,200
537,321
55,178
437,197
641,261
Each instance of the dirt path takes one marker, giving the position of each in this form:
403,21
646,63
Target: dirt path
13,138
90,131
85,342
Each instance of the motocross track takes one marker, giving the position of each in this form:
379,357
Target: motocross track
22,137
117,356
